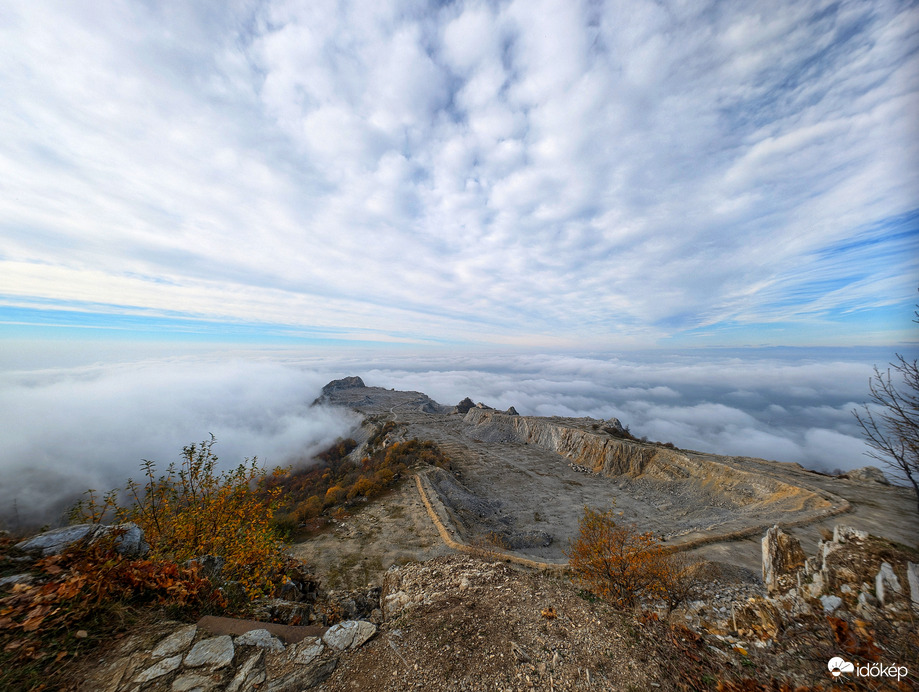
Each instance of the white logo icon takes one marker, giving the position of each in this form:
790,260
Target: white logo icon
838,666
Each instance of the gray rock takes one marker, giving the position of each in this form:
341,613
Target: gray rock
349,634
175,642
248,675
886,583
260,638
215,652
303,678
830,603
912,576
192,682
16,579
866,598
306,651
167,665
130,542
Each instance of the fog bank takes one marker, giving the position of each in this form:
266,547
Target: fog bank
66,430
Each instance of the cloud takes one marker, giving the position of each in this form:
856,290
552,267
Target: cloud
69,429
563,173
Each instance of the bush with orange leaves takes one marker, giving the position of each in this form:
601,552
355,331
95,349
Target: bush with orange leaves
194,510
623,566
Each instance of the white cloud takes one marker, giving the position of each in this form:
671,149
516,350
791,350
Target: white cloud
69,429
492,172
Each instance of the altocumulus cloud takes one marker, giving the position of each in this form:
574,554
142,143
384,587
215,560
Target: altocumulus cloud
66,430
567,174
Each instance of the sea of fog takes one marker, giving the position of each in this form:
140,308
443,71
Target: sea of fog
88,419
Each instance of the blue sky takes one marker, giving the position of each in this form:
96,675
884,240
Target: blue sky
549,175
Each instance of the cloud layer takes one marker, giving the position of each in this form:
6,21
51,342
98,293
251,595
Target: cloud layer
555,173
66,430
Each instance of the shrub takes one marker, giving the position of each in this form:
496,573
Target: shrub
194,510
621,565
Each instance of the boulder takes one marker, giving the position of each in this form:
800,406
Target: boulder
215,652
830,603
157,670
260,638
129,539
306,651
178,641
349,634
782,558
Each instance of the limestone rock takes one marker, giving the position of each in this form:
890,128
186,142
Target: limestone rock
215,652
248,675
130,542
167,665
868,474
830,603
16,579
260,638
511,412
192,682
782,558
175,642
349,634
305,651
303,678
886,583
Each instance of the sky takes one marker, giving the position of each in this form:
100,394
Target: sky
699,217
538,175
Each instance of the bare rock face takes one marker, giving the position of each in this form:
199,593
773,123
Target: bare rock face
782,558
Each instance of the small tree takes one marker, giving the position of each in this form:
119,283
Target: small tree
615,562
890,420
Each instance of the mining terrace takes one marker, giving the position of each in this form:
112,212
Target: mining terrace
519,485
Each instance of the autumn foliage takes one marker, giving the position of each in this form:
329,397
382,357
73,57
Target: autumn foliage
194,509
623,566
311,495
78,598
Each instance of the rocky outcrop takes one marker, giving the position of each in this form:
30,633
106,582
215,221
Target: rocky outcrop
352,382
463,407
782,558
868,474
203,657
